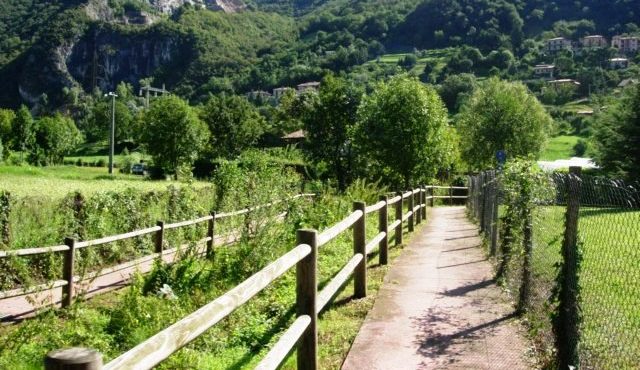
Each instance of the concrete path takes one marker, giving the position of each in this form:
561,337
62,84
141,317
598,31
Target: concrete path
439,307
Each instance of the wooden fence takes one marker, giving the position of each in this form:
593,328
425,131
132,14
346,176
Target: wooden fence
71,246
309,302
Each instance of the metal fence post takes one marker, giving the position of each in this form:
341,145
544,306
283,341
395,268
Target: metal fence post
306,300
567,331
67,272
383,227
410,209
359,244
525,285
73,359
211,235
399,205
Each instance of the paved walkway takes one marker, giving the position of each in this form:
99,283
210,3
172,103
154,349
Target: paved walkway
439,307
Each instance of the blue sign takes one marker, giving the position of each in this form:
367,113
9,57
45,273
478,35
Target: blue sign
501,156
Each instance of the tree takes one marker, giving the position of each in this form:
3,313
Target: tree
234,123
616,136
7,116
54,137
328,127
173,133
455,89
501,115
402,131
23,130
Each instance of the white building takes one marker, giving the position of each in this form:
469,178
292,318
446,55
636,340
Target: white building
594,41
626,44
315,86
619,63
544,70
280,91
557,44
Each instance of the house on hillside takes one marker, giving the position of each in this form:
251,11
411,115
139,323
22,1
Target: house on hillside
564,82
628,82
619,63
544,71
279,92
593,42
295,137
258,95
557,44
626,44
313,86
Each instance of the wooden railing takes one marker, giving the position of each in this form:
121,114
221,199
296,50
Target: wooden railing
309,302
71,246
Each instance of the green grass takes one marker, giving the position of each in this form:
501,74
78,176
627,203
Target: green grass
609,291
560,147
440,56
115,322
58,181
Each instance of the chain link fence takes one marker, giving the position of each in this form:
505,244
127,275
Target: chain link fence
571,261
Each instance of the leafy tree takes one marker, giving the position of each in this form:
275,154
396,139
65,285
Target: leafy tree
402,131
328,126
408,61
616,136
6,123
173,133
455,89
501,115
234,123
54,137
23,130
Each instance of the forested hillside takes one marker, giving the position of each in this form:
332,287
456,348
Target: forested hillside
47,46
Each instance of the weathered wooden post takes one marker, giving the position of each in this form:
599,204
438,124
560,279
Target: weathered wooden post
73,359
494,218
399,205
418,202
359,244
568,309
432,193
450,195
159,239
67,272
525,285
424,202
306,300
410,208
383,227
211,235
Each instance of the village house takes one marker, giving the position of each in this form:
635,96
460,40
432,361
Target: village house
619,63
626,44
544,71
557,44
279,92
258,95
594,41
315,86
565,82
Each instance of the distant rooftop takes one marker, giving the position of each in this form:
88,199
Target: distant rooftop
300,134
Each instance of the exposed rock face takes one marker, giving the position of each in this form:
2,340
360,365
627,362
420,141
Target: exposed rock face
169,6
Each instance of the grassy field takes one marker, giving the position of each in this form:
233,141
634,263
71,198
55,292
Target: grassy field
440,56
560,147
58,181
609,291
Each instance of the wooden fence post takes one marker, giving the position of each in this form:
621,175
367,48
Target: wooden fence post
73,359
211,235
424,202
450,195
383,226
410,208
359,244
494,217
306,300
159,239
525,284
67,272
418,215
399,205
568,310
432,193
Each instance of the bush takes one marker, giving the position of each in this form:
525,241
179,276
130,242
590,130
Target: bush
580,149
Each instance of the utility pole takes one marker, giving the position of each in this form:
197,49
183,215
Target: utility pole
112,136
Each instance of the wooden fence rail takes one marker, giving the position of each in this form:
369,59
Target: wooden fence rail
71,246
309,302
